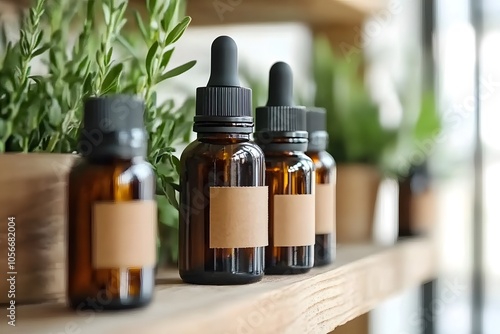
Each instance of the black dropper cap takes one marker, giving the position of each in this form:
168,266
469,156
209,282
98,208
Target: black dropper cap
280,118
224,106
316,127
113,126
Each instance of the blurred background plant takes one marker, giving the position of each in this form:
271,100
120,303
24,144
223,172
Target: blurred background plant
356,133
420,126
41,109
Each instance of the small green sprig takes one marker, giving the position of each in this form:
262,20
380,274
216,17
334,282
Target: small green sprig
42,112
15,81
166,125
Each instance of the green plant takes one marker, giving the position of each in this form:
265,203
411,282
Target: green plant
42,112
421,122
416,139
356,134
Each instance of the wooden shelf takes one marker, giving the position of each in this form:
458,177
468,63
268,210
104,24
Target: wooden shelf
317,302
312,12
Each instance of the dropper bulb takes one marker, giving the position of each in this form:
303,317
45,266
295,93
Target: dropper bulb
280,85
224,63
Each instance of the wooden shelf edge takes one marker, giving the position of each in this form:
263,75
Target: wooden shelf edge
317,302
310,12
220,12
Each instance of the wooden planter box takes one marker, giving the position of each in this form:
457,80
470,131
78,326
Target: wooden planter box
33,200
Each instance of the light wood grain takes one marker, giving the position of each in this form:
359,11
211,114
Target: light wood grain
317,302
33,191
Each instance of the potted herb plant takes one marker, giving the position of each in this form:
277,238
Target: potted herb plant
40,118
358,141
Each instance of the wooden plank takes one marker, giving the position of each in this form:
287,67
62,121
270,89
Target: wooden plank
33,192
217,12
317,302
259,11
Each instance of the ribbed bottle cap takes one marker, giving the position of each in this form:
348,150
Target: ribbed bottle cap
113,126
113,113
316,127
316,119
223,102
279,115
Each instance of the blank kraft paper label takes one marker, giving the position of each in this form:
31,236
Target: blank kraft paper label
238,217
124,234
294,222
325,208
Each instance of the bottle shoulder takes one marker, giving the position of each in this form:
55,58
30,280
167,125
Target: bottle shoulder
327,158
292,162
135,169
238,151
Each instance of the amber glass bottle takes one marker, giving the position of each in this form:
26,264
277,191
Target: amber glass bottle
223,198
325,170
415,188
111,209
281,133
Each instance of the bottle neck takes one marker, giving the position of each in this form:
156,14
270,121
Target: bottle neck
113,160
231,125
122,145
282,144
213,136
318,141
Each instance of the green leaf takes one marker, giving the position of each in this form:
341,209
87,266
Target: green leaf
162,152
84,65
55,113
3,36
52,142
122,8
177,32
177,71
151,6
109,55
38,39
107,13
111,80
166,58
40,50
169,16
167,214
171,196
141,25
87,83
177,163
150,56
38,79
90,8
